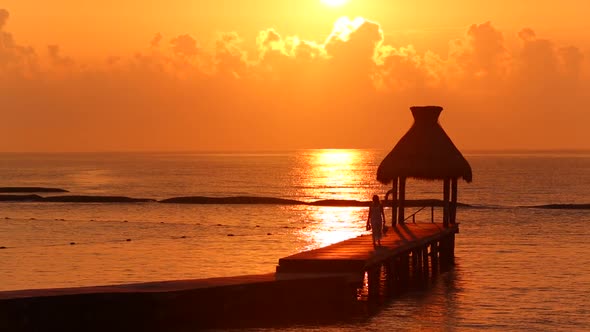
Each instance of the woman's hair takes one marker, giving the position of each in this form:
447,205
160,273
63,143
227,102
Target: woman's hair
375,198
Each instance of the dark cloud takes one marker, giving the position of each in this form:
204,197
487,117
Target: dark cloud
56,58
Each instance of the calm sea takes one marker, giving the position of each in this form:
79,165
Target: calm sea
518,267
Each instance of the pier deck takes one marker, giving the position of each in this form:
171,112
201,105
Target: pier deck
357,255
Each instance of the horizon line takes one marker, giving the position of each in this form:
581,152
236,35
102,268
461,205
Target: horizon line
467,151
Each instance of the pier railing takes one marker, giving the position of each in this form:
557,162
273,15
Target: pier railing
421,204
413,215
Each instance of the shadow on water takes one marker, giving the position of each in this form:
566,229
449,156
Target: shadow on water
428,307
423,306
434,299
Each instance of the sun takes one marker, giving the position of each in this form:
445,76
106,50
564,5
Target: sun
334,3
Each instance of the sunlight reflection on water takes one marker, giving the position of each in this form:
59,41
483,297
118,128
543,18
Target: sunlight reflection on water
338,174
335,171
333,224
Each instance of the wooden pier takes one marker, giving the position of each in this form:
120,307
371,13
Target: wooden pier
410,255
327,284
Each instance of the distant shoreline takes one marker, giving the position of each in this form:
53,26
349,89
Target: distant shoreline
31,190
203,200
249,200
30,195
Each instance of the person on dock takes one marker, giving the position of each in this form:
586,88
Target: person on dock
376,220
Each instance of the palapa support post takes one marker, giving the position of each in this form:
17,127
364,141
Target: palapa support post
402,199
446,185
394,204
434,257
453,200
447,252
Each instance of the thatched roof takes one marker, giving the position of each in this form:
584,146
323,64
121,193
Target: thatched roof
424,152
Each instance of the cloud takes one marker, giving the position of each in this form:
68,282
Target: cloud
537,56
269,40
480,58
571,61
544,68
402,69
230,58
56,58
271,45
15,60
352,44
184,45
352,89
155,43
3,17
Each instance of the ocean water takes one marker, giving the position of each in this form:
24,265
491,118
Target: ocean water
518,267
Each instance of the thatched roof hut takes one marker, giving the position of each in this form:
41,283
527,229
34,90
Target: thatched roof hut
425,152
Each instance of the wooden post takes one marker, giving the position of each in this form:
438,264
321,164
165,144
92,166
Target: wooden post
452,249
425,263
453,200
402,199
447,252
390,274
442,254
418,272
399,274
415,265
446,185
374,274
394,204
405,270
434,257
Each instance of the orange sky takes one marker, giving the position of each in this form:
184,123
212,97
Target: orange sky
267,74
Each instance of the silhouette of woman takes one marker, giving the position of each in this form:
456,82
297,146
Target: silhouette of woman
376,220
